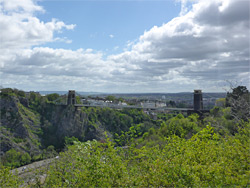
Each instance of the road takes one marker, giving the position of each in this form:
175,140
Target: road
135,107
30,173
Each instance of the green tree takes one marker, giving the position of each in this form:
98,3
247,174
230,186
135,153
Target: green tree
20,93
12,158
53,96
7,179
121,99
204,160
25,158
70,140
172,103
180,126
78,100
220,102
239,100
110,98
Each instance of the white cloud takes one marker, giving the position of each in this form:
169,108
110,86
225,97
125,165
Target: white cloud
65,39
111,36
24,6
82,65
197,46
206,45
43,64
21,29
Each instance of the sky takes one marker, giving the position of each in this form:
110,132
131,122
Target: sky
124,46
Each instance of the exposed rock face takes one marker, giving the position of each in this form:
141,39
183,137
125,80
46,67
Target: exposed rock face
24,102
68,121
72,123
17,126
25,129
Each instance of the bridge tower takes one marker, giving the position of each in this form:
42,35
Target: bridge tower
71,97
198,101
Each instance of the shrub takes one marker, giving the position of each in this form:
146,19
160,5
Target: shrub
205,160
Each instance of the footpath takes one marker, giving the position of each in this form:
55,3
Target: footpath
31,173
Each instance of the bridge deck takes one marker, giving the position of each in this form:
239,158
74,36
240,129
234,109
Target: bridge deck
133,107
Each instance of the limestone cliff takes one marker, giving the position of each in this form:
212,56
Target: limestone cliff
20,127
61,121
34,126
32,129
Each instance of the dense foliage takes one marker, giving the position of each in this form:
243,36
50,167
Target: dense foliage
12,158
205,160
172,151
7,179
116,121
239,101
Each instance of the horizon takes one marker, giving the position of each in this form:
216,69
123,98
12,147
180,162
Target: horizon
187,92
80,91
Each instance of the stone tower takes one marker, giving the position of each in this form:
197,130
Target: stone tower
71,97
198,101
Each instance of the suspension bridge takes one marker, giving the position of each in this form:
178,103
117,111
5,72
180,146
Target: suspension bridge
71,99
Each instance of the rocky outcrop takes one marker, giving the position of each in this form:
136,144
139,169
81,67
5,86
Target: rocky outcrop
68,121
26,129
18,129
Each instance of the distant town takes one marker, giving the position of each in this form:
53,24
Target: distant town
150,100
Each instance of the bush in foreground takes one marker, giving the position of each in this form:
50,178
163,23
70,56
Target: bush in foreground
205,160
202,161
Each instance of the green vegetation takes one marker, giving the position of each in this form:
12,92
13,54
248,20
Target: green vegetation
172,151
12,158
205,160
239,101
53,97
110,98
6,92
7,179
70,140
116,121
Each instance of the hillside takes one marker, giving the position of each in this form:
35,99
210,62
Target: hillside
120,148
35,126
